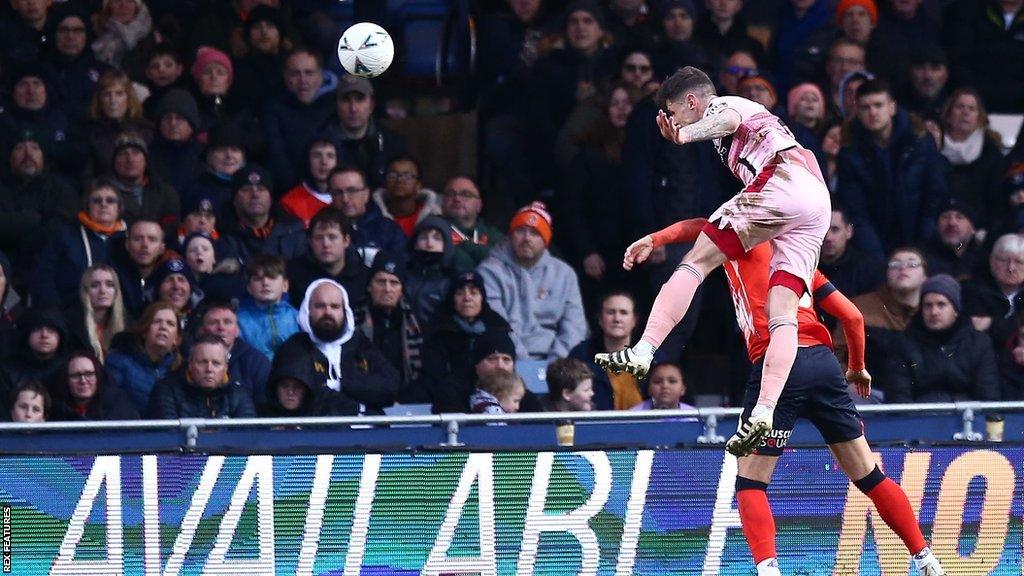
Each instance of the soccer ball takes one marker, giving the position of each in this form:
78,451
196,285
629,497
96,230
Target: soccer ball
366,50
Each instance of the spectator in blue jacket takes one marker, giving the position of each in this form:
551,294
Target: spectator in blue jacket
371,230
265,317
891,177
145,353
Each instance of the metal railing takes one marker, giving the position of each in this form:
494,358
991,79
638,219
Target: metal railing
453,424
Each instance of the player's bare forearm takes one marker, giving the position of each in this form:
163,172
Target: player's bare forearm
711,127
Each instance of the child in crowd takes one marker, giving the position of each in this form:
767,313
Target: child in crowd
570,386
666,388
266,318
30,402
497,393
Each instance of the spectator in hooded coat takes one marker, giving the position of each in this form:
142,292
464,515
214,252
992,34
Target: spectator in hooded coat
40,351
430,267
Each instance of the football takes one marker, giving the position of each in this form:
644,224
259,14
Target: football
366,50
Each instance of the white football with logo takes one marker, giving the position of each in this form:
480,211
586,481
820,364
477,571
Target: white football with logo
366,50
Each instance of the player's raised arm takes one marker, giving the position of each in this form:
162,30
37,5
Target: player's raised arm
682,231
717,125
837,304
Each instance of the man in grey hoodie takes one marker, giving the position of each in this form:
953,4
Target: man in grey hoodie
537,293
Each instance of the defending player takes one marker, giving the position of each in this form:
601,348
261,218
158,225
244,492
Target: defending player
815,390
784,200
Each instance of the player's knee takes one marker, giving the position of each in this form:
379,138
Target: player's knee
748,484
867,483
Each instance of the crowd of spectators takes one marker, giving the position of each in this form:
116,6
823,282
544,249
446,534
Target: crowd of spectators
201,215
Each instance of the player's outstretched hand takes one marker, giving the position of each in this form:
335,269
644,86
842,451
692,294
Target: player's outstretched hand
861,380
670,129
637,252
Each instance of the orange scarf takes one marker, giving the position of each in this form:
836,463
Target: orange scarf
85,220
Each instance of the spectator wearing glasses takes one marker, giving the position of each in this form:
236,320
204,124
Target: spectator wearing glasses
888,310
403,198
993,299
72,67
472,237
61,263
371,230
637,70
737,66
845,56
83,392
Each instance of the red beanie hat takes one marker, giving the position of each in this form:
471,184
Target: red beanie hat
536,216
845,5
207,55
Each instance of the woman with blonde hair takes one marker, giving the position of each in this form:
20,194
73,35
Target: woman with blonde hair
99,313
113,110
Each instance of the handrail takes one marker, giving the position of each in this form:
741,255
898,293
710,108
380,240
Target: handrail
444,419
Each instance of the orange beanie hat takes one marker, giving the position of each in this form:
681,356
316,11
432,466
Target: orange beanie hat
536,216
845,5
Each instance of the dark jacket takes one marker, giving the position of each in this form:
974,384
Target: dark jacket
604,394
31,210
177,163
94,141
855,272
50,126
366,375
176,397
109,403
374,230
289,127
287,238
429,274
893,194
159,202
24,364
663,183
319,400
979,183
800,45
371,153
62,261
218,189
984,53
354,277
399,337
951,366
249,369
73,81
591,208
942,259
1011,372
449,374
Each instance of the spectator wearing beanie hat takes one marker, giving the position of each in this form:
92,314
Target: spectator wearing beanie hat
941,357
226,153
857,18
535,292
388,321
463,322
805,105
72,66
29,107
255,225
266,49
954,248
214,77
145,197
172,282
175,151
759,88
